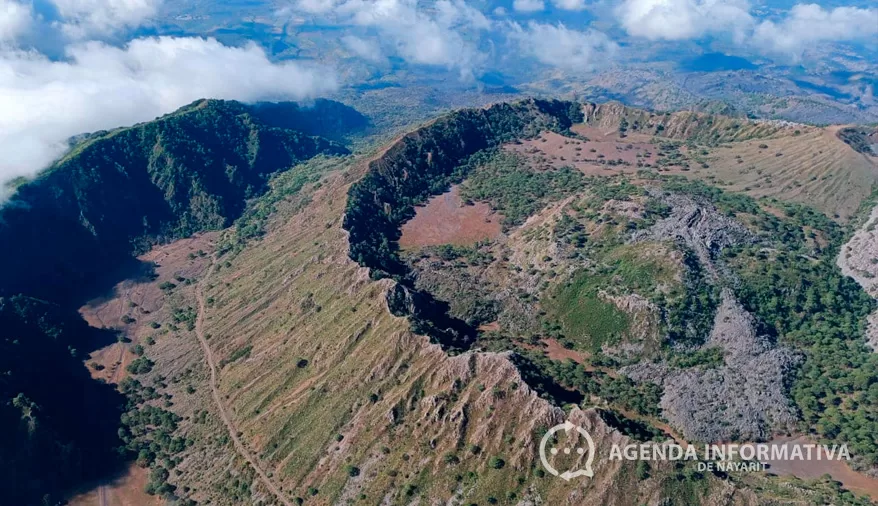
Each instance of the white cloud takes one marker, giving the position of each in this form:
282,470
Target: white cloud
367,49
82,18
446,34
562,47
528,5
45,102
570,5
316,6
810,24
683,19
15,19
803,26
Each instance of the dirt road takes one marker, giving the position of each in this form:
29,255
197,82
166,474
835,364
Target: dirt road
114,378
217,396
102,496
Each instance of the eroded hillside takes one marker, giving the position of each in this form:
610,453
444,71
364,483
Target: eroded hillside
335,399
301,356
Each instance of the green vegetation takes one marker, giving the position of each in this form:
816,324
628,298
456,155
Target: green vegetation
496,462
801,298
425,162
689,317
707,358
591,319
243,352
472,255
810,305
282,186
185,316
687,483
140,365
568,382
585,316
858,139
189,171
147,434
513,188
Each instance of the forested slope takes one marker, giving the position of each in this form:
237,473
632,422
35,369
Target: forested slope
58,425
191,170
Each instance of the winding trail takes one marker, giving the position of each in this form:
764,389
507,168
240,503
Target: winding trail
230,426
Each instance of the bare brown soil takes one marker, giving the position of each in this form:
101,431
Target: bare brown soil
127,490
490,327
601,154
556,351
810,469
143,301
446,219
807,165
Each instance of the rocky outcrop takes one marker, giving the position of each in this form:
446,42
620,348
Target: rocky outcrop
745,398
429,316
699,225
858,259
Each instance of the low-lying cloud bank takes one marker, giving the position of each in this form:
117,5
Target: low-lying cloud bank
446,34
790,34
808,24
561,47
98,86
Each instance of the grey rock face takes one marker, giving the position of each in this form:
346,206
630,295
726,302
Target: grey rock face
856,260
699,225
744,399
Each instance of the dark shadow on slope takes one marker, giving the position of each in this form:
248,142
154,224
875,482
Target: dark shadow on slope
543,384
430,317
634,429
325,118
59,425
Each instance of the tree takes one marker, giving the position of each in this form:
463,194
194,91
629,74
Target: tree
496,463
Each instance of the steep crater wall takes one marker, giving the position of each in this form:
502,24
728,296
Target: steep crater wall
422,164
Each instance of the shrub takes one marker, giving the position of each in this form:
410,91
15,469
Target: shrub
141,365
496,463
